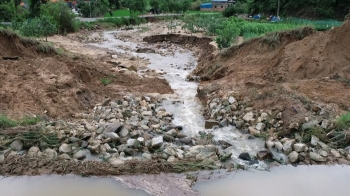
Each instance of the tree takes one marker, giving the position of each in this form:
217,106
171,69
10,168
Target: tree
154,4
34,8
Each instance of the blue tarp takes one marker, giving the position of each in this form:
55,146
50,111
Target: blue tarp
207,5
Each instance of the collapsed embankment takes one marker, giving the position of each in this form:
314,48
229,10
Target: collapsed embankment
288,71
42,82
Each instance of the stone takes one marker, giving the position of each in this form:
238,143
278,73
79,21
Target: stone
209,124
269,144
325,124
231,100
316,157
16,145
81,154
260,126
172,132
124,132
64,157
263,155
253,131
323,153
314,140
264,116
279,146
335,153
293,157
172,159
115,162
113,127
133,143
111,135
65,148
248,116
181,135
186,140
309,125
168,138
323,145
288,146
33,151
299,147
245,156
147,156
342,161
49,154
170,151
157,141
146,113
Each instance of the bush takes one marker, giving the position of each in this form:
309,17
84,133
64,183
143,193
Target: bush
92,9
238,8
60,14
38,27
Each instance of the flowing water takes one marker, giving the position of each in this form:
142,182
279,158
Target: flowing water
188,109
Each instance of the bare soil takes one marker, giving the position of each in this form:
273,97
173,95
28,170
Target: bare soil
291,71
60,85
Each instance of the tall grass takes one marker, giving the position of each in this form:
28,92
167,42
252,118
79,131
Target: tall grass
6,122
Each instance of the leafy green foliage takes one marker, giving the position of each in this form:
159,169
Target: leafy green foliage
60,14
93,8
238,8
38,27
307,8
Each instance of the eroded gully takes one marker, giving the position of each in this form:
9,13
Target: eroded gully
187,110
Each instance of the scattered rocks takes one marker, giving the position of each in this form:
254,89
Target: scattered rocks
65,148
16,145
81,154
293,157
316,157
209,124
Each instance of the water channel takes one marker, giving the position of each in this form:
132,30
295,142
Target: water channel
285,180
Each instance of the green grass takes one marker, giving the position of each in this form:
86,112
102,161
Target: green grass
106,81
5,122
118,13
343,122
320,25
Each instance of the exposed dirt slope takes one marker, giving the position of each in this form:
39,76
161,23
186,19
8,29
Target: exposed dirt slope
61,85
285,70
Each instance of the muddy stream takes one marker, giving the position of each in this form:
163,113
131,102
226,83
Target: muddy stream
187,110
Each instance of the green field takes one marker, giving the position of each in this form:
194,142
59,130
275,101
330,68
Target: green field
118,13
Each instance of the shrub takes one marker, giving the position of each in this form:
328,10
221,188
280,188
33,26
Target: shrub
60,14
238,8
37,27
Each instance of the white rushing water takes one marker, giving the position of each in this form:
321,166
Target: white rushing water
188,111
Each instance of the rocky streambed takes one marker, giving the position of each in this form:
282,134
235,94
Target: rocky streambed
157,133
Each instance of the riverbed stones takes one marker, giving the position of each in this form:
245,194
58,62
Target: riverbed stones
157,142
335,153
112,136
209,124
300,147
314,140
245,156
113,127
49,154
33,151
293,157
16,145
316,157
115,162
288,146
248,116
81,154
260,126
65,148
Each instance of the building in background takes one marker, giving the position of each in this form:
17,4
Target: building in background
216,5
